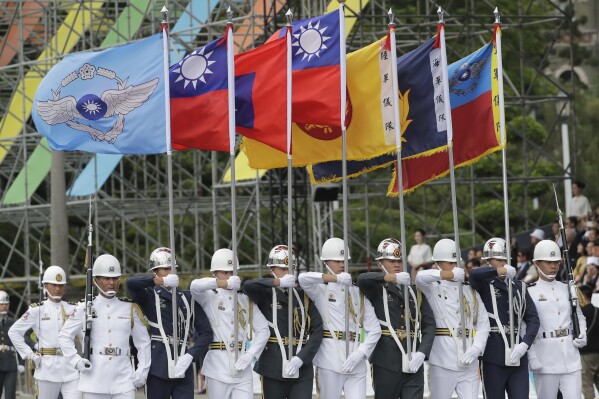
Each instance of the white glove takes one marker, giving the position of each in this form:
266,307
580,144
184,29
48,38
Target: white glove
183,364
233,283
458,274
402,278
581,341
344,278
294,365
170,281
416,362
21,368
244,361
287,281
83,365
511,272
36,358
518,351
352,361
138,380
534,364
471,354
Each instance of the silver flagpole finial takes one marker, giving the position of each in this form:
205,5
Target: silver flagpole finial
164,13
391,17
440,13
497,17
289,16
229,15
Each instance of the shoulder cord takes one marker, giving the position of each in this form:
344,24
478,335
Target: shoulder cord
387,322
476,307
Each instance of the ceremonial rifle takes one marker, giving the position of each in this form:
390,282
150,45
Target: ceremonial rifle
88,286
572,294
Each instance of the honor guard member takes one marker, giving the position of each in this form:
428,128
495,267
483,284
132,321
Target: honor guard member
9,363
334,372
283,377
109,374
227,365
504,369
153,294
451,367
554,358
53,374
394,375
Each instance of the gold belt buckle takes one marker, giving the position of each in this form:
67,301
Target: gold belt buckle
402,334
562,332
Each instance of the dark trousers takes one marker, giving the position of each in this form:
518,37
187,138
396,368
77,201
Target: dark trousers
389,384
286,389
498,380
180,388
8,380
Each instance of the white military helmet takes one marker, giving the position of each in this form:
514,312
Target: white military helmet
54,275
495,248
333,249
4,299
160,257
445,251
389,248
547,250
279,256
106,266
222,261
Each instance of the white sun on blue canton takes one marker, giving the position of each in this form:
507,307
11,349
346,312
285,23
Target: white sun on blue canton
310,41
194,68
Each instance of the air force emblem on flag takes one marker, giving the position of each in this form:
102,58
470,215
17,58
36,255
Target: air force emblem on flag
116,102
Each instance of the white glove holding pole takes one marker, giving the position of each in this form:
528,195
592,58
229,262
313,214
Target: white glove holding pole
83,365
352,361
170,281
138,380
581,341
510,272
182,365
244,361
344,278
287,281
36,358
234,283
416,362
471,354
21,368
402,278
294,365
458,274
518,351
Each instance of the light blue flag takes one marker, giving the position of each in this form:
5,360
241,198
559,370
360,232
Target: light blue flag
109,102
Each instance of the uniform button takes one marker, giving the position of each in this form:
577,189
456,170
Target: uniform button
402,316
231,321
557,299
109,317
109,344
109,357
109,331
558,313
230,298
342,289
107,306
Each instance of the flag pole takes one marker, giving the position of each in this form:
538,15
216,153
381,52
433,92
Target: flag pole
289,16
232,122
506,212
169,168
343,105
402,224
454,205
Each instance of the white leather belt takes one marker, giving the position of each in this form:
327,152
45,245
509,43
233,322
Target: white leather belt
111,351
560,332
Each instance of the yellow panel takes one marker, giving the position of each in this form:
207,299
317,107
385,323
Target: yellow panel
242,170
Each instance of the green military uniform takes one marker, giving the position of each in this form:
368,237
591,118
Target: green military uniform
270,363
388,379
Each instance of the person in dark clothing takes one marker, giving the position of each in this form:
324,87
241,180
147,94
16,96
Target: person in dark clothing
589,355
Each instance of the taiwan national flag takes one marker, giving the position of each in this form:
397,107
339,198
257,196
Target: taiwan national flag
315,44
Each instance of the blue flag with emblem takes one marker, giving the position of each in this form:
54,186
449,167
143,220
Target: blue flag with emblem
109,102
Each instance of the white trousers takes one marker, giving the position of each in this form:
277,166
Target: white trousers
443,382
122,395
569,384
51,390
222,390
330,384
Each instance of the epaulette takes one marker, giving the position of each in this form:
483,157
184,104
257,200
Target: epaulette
531,284
124,299
35,305
465,283
72,303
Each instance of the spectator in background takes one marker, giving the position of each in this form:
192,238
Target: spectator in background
579,205
581,263
479,254
596,214
471,264
556,233
525,270
420,252
471,253
591,275
589,355
536,236
590,235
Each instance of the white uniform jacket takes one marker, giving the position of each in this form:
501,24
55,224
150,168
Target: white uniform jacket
115,320
330,302
557,354
218,305
443,297
45,319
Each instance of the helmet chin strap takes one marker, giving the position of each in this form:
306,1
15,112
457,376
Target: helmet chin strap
3,313
109,293
383,268
328,268
55,297
547,276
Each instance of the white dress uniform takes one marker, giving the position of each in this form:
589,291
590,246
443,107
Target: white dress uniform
553,346
115,320
222,380
330,302
446,375
55,374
